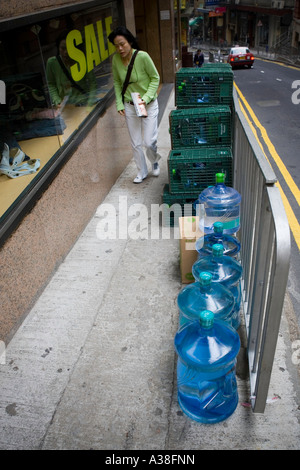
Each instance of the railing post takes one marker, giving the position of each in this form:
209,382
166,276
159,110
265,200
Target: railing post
279,271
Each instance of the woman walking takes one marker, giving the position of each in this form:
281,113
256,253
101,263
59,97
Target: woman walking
144,80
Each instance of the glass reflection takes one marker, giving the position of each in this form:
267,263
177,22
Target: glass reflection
55,73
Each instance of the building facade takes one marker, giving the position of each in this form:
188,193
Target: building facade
266,24
296,27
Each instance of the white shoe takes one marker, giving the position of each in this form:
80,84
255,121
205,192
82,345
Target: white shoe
155,169
139,178
5,156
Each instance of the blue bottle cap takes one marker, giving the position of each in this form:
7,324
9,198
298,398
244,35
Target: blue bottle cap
205,278
217,249
206,319
218,227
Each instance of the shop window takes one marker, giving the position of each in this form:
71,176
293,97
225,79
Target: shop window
57,74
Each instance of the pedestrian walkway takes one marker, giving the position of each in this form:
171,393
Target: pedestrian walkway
93,365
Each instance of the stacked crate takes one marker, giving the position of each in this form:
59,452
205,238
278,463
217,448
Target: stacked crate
193,170
206,86
201,136
195,128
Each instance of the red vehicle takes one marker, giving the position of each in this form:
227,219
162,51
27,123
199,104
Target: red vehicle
240,56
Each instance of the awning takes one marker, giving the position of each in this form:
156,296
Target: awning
205,10
194,21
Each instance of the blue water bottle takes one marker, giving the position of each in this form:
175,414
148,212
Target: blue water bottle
230,243
221,204
205,295
225,270
206,381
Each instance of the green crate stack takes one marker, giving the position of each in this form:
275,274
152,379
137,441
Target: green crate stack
176,205
207,126
204,86
193,170
201,137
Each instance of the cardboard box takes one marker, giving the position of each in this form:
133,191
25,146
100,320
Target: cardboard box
189,232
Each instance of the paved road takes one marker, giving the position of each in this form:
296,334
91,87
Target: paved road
271,90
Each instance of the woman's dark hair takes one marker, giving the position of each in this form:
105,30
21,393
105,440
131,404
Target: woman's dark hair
123,31
62,35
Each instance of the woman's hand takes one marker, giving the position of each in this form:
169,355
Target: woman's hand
122,112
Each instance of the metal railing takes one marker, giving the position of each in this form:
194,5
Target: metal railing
265,254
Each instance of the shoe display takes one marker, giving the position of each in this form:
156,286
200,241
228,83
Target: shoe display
29,165
139,178
155,169
5,170
14,164
5,156
16,156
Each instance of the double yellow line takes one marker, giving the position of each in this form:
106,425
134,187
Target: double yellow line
293,222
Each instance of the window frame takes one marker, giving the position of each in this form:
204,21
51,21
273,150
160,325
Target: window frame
10,220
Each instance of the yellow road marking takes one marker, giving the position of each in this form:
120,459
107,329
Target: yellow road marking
278,63
285,173
293,222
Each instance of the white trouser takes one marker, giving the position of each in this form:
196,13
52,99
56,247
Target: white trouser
139,127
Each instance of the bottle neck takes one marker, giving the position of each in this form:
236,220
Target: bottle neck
217,258
204,288
220,188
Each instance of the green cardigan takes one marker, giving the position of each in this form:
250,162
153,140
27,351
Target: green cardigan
144,78
60,86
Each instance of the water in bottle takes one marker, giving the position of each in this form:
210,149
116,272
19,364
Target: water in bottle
224,270
206,381
205,295
221,204
230,243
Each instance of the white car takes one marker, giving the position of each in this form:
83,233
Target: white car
240,56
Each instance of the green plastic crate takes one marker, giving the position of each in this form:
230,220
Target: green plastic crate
205,86
193,170
176,206
208,126
218,65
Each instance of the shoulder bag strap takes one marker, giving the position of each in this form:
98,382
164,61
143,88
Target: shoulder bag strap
67,74
125,85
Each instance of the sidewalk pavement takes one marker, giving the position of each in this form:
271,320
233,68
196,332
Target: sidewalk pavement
93,365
